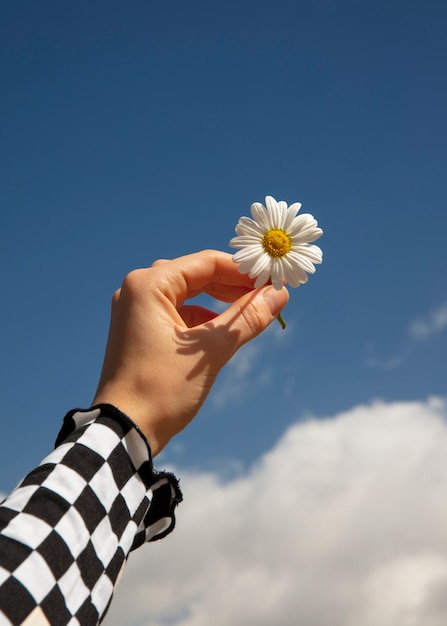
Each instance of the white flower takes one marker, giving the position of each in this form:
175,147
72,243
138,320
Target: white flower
275,244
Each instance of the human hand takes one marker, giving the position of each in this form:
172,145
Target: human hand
163,356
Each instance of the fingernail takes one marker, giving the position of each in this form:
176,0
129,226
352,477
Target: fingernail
275,299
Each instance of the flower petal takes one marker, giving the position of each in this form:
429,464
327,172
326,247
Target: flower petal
274,212
302,221
262,263
295,207
244,240
294,274
277,275
305,229
262,271
260,215
314,253
247,253
307,236
247,226
290,215
262,279
301,261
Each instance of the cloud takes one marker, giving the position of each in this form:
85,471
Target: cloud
433,323
373,361
418,331
343,522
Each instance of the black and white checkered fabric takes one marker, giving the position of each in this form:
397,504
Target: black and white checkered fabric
67,529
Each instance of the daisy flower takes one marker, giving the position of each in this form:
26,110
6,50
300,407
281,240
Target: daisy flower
276,244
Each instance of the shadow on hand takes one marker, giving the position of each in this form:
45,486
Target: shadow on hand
213,342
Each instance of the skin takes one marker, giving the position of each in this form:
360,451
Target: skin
162,355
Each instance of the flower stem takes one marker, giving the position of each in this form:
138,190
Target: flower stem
281,321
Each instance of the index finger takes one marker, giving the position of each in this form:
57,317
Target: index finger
208,271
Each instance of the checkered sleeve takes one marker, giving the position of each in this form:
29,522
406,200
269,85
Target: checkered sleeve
67,529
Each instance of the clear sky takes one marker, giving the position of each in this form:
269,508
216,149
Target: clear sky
137,130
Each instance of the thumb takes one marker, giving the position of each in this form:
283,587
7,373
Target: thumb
248,316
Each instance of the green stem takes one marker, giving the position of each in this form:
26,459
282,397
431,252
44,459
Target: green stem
281,321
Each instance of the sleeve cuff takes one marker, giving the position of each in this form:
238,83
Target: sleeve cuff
165,494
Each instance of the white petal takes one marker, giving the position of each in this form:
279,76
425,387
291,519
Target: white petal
307,235
244,240
245,268
296,206
277,275
302,221
305,229
314,253
262,264
290,215
260,215
247,253
302,261
262,279
263,271
247,226
282,207
299,278
274,213
294,274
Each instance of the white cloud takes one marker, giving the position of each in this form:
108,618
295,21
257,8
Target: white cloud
372,360
343,522
419,330
433,323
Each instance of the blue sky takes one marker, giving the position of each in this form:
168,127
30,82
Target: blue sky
134,131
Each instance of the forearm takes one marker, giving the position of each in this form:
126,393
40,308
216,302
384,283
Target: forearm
67,529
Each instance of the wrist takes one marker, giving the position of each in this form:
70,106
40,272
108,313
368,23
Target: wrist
133,410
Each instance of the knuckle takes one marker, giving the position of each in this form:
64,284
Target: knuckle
116,297
159,262
132,282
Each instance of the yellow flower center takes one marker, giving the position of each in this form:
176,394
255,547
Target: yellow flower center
276,242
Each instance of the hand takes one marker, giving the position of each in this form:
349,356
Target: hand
163,356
